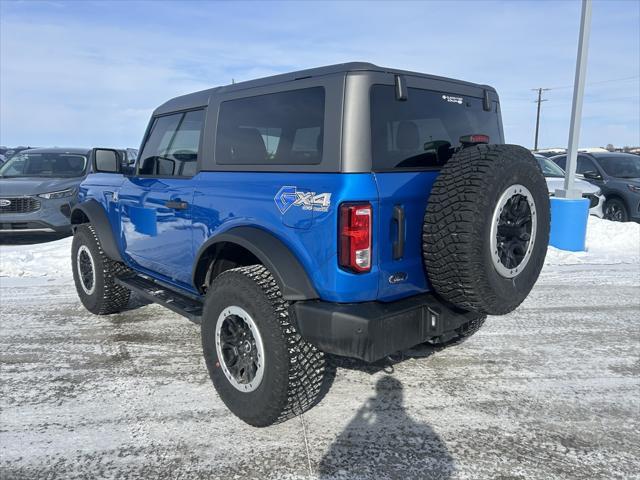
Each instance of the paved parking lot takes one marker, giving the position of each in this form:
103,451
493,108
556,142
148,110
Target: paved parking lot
549,391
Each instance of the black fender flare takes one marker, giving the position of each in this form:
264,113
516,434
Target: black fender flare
97,216
290,275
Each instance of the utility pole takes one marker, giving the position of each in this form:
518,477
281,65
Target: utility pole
540,100
569,190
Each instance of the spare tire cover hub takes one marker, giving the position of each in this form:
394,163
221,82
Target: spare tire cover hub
513,230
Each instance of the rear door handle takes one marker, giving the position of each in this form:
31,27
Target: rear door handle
176,205
398,245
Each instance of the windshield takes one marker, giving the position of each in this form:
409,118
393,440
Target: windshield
424,130
549,169
621,166
54,165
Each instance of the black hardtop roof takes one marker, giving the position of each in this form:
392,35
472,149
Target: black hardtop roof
76,150
201,98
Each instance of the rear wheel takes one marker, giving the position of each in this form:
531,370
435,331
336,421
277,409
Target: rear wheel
263,370
486,228
94,274
616,210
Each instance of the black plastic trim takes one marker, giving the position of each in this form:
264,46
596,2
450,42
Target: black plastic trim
401,88
98,218
370,331
184,305
292,279
398,243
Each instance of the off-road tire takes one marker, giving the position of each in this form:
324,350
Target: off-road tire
296,374
107,296
457,228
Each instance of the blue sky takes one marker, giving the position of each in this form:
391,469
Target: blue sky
90,73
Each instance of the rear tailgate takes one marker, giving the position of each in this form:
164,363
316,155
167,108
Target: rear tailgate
411,140
400,259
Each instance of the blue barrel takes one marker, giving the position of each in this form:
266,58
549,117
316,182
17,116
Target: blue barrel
569,223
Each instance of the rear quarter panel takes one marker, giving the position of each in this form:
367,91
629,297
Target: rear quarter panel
224,200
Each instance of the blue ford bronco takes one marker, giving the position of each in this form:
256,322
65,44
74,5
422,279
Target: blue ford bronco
348,210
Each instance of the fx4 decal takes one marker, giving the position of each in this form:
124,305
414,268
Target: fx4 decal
289,196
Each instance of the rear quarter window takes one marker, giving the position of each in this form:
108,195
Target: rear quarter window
284,128
423,131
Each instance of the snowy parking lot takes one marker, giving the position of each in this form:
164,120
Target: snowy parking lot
551,390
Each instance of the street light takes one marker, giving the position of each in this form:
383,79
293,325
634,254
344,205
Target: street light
569,211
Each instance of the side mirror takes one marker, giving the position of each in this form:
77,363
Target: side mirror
106,160
591,175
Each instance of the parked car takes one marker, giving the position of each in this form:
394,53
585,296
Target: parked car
301,222
554,176
38,188
618,177
550,152
10,152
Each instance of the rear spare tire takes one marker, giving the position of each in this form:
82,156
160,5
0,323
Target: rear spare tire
486,228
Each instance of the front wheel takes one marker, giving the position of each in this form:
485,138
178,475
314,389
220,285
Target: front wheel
263,370
615,210
94,274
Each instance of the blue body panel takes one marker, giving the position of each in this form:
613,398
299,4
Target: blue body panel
162,242
155,237
224,200
410,190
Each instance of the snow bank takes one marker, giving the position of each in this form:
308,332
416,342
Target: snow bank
50,259
607,243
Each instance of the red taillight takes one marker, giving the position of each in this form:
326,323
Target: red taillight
355,236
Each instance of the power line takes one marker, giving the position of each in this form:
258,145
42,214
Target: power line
540,99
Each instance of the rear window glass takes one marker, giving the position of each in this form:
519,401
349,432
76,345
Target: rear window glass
283,128
423,131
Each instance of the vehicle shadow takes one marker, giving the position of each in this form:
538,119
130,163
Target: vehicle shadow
31,238
387,364
383,442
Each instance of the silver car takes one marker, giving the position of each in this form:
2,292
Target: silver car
39,186
554,176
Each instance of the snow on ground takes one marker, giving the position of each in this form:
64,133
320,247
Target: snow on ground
50,259
550,391
607,243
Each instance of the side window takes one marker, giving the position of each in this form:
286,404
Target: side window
172,146
284,128
585,164
561,162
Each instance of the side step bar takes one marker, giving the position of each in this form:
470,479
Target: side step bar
184,305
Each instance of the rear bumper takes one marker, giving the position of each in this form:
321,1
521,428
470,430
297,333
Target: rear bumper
372,330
